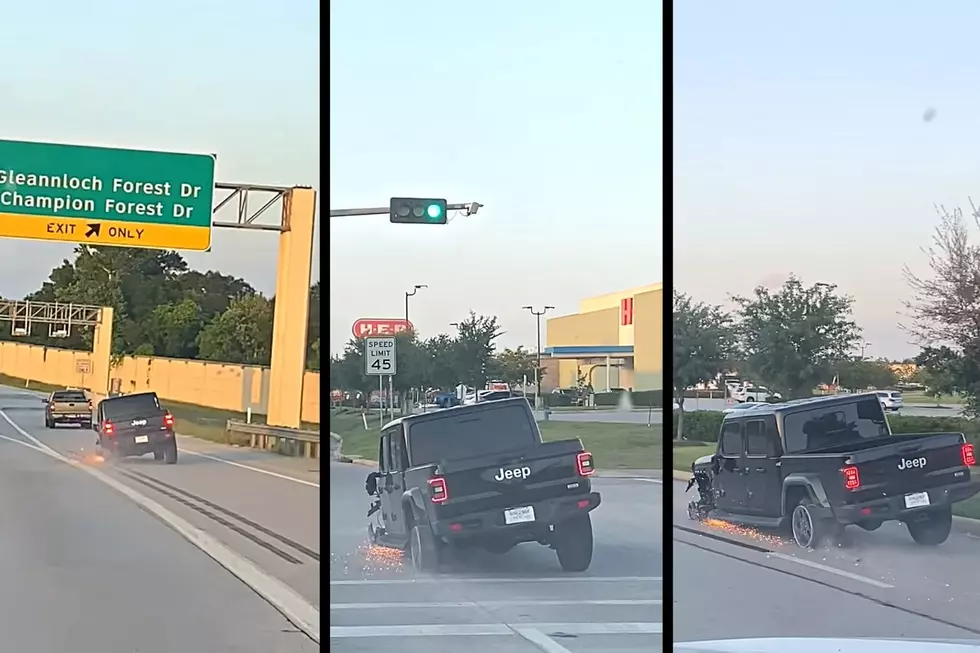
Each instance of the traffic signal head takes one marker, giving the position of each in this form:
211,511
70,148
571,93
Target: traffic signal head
415,210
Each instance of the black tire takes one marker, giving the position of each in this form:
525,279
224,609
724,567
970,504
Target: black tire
87,425
48,423
573,543
424,548
932,530
169,453
808,530
158,454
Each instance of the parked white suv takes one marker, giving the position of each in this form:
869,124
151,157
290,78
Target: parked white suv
749,393
890,399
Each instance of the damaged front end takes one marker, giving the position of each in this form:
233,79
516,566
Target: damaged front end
699,508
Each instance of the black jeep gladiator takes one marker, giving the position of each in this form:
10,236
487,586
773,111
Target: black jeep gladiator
133,425
480,476
814,466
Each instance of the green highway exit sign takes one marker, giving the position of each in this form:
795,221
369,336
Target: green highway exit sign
106,196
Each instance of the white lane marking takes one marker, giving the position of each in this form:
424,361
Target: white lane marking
626,628
303,614
491,580
488,604
250,468
540,640
649,480
831,570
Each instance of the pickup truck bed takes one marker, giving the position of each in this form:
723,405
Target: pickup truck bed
67,407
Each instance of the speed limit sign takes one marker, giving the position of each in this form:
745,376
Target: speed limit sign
379,356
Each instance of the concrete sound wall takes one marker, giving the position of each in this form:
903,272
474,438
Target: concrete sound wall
213,385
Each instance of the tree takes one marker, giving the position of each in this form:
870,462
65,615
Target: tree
938,370
858,374
793,336
444,362
242,334
945,308
704,346
513,366
475,349
173,328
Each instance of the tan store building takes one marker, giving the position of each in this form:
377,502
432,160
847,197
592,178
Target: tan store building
614,341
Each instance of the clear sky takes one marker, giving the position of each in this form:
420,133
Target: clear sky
800,145
237,78
548,113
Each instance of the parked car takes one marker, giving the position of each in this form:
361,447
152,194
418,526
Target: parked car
890,399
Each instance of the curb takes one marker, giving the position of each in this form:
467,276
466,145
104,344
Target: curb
965,525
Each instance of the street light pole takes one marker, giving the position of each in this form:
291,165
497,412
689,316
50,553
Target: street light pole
864,345
537,381
411,294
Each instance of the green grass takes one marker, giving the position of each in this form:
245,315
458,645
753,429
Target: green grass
687,454
920,398
197,421
615,446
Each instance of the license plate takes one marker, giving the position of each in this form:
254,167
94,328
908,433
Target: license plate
519,515
140,439
917,500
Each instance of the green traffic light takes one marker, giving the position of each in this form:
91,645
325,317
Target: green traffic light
434,211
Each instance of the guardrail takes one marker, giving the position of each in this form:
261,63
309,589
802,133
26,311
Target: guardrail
263,436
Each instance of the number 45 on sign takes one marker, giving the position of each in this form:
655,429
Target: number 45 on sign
379,357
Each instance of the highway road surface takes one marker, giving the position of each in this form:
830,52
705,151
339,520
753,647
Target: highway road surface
135,555
878,584
515,603
912,410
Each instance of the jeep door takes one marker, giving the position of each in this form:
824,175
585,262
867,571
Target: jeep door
392,484
729,482
763,485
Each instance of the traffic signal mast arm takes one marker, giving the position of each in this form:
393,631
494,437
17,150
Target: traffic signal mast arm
469,208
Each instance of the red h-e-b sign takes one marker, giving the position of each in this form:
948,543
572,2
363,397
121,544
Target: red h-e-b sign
369,327
626,311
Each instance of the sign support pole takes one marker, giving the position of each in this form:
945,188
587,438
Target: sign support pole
391,394
381,399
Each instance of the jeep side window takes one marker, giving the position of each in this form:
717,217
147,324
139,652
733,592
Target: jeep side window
731,439
397,447
383,454
756,441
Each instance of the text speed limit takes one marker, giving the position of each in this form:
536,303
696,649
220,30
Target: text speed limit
379,357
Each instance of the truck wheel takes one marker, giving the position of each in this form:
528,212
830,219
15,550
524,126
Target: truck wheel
48,423
424,548
573,543
808,530
933,529
170,453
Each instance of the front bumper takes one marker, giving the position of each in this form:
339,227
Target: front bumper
893,507
490,523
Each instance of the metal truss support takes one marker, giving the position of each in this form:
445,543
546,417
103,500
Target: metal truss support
250,202
60,318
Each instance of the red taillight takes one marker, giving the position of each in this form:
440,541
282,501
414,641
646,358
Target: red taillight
439,490
852,480
583,464
108,428
966,453
168,421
